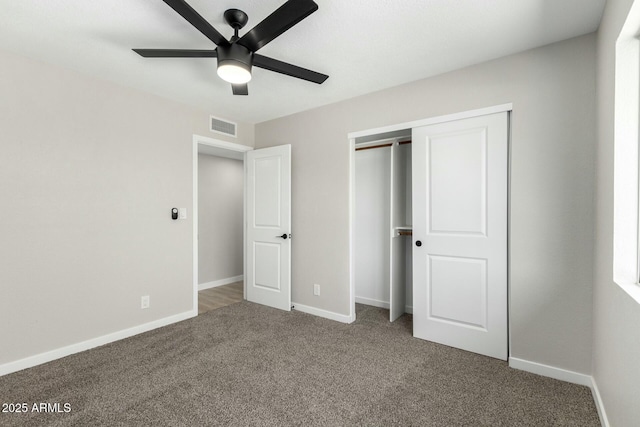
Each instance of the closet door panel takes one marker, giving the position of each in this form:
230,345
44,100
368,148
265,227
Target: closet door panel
400,219
398,278
460,234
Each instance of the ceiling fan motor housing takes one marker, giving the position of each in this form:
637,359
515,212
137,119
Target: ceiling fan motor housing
233,54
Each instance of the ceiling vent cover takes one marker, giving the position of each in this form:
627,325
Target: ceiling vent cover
222,126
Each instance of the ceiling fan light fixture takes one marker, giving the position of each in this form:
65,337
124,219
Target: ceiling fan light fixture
234,72
237,55
234,63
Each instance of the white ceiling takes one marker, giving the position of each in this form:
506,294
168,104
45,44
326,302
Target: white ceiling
363,45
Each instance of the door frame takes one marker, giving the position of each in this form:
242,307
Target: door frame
369,134
215,147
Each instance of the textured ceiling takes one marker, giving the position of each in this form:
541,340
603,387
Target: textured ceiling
363,45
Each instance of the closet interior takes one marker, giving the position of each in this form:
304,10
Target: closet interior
383,226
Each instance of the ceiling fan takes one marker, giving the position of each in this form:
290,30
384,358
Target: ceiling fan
237,55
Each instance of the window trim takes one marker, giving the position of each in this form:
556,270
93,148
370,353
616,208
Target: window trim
626,195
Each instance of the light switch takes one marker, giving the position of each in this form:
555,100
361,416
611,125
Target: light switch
183,213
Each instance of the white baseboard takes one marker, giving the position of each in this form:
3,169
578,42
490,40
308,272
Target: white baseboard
381,304
599,404
564,375
372,302
221,282
551,371
322,313
39,359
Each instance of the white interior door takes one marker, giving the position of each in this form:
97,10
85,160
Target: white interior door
460,234
268,215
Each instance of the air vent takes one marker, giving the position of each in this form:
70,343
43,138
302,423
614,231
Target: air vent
224,127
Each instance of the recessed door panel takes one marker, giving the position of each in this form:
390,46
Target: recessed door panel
458,182
266,204
267,265
458,291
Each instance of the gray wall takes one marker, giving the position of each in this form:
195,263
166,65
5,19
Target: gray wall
616,360
220,214
88,174
553,144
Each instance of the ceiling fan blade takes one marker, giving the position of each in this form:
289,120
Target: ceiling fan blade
240,89
194,18
176,53
288,69
283,18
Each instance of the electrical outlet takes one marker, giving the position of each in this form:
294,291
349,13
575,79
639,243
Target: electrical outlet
316,289
144,301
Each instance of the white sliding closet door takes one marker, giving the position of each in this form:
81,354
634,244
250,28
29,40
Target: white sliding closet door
400,275
460,234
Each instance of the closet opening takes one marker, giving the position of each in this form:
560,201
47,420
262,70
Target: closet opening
382,222
429,226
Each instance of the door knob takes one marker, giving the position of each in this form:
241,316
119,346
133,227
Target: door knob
284,236
418,243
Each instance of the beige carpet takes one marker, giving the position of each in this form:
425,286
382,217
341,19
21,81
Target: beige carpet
249,365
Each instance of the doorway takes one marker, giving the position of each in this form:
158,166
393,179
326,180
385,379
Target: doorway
218,223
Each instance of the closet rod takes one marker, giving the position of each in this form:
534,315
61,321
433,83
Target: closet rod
373,146
383,145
